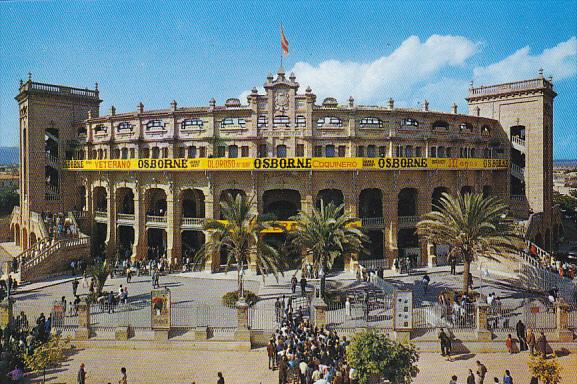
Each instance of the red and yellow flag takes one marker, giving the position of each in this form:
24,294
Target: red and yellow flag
284,44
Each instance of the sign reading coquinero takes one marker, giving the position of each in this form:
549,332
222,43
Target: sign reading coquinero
289,164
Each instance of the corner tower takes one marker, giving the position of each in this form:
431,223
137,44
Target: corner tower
49,117
525,111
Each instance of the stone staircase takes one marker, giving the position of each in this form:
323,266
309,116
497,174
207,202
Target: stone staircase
50,257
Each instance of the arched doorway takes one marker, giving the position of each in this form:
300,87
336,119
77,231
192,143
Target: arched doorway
192,203
334,196
376,247
407,202
24,238
155,202
125,201
233,194
408,245
371,203
282,203
156,240
32,238
125,240
436,197
99,240
191,243
467,189
17,234
100,199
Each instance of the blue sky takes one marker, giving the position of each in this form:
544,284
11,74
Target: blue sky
191,51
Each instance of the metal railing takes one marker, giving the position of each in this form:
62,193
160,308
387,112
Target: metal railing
446,316
372,222
125,217
517,171
151,219
407,221
519,141
193,222
376,313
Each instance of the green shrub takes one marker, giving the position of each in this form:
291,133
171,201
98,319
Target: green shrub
230,298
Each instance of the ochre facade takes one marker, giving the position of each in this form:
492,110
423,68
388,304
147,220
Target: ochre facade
139,212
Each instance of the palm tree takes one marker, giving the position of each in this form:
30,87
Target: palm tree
239,236
99,272
326,234
473,226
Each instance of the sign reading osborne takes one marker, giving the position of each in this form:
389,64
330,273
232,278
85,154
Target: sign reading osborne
290,163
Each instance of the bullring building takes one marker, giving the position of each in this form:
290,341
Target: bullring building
148,179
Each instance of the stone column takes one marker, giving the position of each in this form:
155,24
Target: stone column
423,207
562,319
391,228
83,330
6,312
213,263
320,312
173,237
111,224
483,332
242,332
139,248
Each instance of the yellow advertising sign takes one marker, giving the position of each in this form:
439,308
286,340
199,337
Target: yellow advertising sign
285,164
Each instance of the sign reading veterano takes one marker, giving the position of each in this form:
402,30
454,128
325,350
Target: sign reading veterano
280,164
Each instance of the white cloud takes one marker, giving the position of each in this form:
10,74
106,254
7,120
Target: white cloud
394,75
558,61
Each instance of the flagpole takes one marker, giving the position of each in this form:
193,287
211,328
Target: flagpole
281,54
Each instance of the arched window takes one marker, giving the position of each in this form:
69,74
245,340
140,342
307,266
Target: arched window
125,153
408,151
466,127
232,151
191,124
191,152
100,129
371,151
433,152
281,121
124,127
370,122
329,121
330,151
155,153
441,152
155,125
410,122
132,153
230,122
301,121
281,150
262,121
440,124
486,130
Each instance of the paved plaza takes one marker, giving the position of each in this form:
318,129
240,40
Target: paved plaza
165,366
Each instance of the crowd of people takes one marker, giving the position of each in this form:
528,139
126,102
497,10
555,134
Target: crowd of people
19,338
59,225
304,354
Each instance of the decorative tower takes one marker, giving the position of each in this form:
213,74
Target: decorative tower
525,111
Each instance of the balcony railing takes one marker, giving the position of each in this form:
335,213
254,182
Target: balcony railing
125,217
373,222
193,222
101,215
517,140
510,87
150,219
518,197
407,221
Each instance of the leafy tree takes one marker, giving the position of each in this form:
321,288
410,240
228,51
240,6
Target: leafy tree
326,234
548,371
9,198
375,356
47,355
239,236
566,203
99,272
473,226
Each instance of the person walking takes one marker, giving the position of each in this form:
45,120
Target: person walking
481,372
509,343
110,302
271,352
220,378
443,340
507,379
453,264
531,342
471,377
123,378
348,307
542,345
426,280
81,376
303,285
521,332
75,285
293,284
